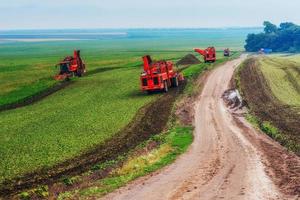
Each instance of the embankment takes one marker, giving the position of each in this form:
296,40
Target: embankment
264,105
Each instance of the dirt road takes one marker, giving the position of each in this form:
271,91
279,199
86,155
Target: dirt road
225,161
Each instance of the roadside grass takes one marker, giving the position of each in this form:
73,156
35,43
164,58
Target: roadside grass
283,77
172,144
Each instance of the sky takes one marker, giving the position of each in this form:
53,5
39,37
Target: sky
60,14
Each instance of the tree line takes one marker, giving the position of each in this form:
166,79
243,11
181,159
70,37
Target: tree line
285,38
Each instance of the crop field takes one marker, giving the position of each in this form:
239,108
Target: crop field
92,110
283,76
67,122
73,120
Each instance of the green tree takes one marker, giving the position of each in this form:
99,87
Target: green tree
269,27
285,38
286,25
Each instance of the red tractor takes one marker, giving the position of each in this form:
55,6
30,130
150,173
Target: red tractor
71,66
159,76
209,54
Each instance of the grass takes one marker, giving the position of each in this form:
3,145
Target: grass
71,121
24,77
172,144
283,77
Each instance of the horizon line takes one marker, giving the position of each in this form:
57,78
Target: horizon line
126,28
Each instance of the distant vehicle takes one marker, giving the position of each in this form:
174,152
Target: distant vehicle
209,54
71,66
159,75
227,52
265,51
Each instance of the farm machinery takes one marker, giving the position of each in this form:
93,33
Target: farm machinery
226,52
71,66
159,75
209,54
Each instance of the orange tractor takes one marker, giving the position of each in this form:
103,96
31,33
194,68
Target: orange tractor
209,54
159,76
71,66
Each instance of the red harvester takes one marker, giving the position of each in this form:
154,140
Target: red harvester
71,66
159,75
209,54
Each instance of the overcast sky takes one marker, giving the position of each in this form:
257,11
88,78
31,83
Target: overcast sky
43,14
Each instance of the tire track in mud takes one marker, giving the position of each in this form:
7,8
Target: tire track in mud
150,120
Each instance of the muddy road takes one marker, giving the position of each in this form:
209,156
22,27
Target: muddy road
227,160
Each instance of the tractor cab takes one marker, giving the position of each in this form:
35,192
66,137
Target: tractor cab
64,66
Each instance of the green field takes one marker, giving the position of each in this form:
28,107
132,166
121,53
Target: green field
283,77
73,120
90,110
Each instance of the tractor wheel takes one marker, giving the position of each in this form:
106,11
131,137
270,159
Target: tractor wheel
166,89
175,82
79,73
